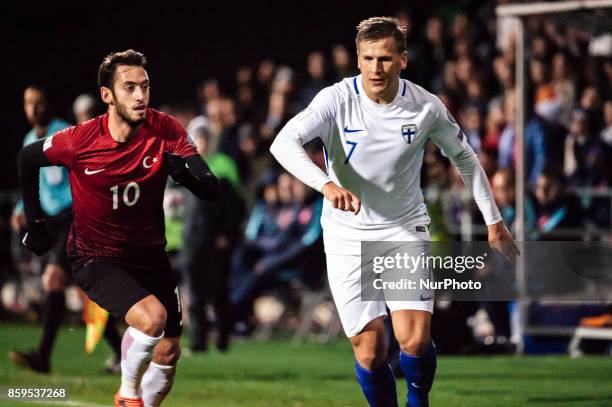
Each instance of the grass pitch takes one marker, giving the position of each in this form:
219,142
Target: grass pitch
279,373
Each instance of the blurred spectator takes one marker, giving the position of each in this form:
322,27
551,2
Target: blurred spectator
260,228
283,81
210,233
535,142
343,63
591,103
259,161
547,104
54,187
583,153
495,124
471,122
606,133
450,84
227,123
564,85
245,95
317,79
476,95
263,81
207,91
504,73
296,229
276,117
84,108
558,211
438,49
502,185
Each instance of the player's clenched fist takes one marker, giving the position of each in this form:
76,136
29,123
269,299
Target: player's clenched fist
176,166
37,238
341,198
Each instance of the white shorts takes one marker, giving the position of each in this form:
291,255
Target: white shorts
344,275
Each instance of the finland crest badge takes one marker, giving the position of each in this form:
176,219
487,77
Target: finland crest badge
408,132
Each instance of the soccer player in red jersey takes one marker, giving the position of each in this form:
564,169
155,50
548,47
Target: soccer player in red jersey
118,165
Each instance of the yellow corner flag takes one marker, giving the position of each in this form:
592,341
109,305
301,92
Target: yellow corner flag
95,321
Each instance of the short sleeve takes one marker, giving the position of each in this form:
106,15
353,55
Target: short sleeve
446,133
179,141
59,148
317,119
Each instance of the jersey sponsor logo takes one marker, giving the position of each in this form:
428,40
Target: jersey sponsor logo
148,162
48,143
408,132
347,130
92,172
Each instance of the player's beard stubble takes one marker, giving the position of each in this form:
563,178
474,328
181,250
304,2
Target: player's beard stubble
124,111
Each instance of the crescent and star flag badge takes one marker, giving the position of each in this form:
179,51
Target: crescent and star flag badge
408,132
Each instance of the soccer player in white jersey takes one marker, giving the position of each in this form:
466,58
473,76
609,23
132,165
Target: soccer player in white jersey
374,128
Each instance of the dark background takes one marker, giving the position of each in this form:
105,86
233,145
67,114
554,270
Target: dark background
61,45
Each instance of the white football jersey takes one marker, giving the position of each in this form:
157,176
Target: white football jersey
375,151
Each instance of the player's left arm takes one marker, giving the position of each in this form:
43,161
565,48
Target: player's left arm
447,134
193,173
185,164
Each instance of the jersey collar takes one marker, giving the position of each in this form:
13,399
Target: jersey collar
106,131
402,91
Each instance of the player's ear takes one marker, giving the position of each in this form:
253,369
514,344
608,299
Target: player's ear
106,95
404,59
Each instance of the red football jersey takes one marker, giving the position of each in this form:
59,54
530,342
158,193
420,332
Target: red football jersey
117,188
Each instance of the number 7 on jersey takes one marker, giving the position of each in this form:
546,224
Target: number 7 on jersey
353,144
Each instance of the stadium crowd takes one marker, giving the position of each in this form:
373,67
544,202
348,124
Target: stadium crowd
267,233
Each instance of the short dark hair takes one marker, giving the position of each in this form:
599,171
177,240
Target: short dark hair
106,72
378,28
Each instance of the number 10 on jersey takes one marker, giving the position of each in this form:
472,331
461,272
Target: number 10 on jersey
127,192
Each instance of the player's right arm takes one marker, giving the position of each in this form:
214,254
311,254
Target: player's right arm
314,121
54,150
29,161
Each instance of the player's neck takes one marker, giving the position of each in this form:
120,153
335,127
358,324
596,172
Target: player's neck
119,129
387,97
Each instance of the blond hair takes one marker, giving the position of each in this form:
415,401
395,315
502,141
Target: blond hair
378,28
